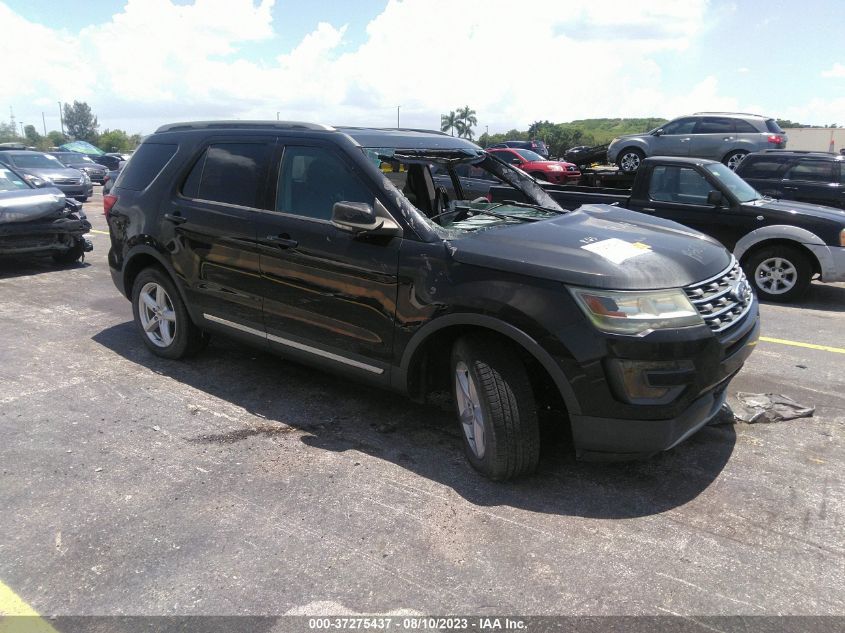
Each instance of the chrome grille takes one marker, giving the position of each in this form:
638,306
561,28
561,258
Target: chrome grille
67,181
723,300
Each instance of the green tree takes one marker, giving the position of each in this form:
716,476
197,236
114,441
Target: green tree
116,141
56,138
467,122
449,122
32,135
80,122
8,133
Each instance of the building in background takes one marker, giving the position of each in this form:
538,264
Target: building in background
816,139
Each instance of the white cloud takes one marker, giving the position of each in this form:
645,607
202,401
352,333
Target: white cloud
837,70
156,61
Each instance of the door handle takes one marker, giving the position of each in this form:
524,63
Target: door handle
791,188
684,140
282,241
648,209
176,219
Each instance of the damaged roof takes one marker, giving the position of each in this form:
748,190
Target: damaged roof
406,138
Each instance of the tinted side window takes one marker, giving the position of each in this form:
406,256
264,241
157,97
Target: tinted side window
312,179
714,125
764,167
678,184
231,173
811,170
681,126
744,127
147,162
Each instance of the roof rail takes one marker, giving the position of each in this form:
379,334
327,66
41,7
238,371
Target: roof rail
209,125
740,113
800,151
391,129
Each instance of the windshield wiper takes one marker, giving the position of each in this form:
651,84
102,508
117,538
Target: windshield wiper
528,205
470,212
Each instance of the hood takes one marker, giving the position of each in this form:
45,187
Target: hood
66,172
25,205
82,166
803,208
598,246
542,163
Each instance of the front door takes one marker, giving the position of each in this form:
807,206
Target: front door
675,140
712,134
328,295
213,221
680,194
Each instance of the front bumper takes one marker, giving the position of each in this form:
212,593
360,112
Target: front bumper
54,236
643,431
831,260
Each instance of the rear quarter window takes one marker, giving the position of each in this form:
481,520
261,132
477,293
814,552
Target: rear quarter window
146,163
773,126
744,127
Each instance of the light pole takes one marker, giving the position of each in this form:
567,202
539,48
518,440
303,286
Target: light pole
486,135
277,115
61,119
397,116
22,132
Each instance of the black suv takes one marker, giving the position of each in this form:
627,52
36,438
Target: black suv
816,177
334,246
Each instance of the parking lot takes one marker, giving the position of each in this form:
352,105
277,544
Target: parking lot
241,483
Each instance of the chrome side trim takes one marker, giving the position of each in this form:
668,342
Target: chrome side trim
295,345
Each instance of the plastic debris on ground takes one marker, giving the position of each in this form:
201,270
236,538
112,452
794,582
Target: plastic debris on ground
769,407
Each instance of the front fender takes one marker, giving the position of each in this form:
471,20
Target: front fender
776,232
519,337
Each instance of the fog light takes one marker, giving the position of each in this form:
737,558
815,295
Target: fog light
650,382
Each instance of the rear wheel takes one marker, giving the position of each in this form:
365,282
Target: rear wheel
496,409
733,159
161,317
779,273
629,159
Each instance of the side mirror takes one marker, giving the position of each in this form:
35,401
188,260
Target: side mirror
714,198
361,219
515,161
658,131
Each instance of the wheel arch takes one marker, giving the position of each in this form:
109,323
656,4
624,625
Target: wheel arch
784,235
438,336
141,257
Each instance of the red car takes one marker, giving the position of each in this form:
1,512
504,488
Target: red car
554,171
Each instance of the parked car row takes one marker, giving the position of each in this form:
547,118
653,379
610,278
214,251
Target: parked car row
43,170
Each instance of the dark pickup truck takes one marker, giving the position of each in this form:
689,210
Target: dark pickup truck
781,244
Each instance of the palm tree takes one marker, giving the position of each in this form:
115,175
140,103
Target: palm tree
449,123
467,117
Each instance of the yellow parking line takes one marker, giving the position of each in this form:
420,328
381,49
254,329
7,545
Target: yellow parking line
824,348
99,232
11,610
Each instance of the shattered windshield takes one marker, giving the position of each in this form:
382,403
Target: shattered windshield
451,188
9,180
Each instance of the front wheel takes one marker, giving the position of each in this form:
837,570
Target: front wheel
779,273
733,159
161,317
629,159
496,409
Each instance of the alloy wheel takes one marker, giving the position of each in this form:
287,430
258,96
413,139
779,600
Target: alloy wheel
158,318
776,275
469,409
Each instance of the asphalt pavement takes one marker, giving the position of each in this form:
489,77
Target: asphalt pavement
242,483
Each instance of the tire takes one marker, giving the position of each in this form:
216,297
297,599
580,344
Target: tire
629,159
733,159
165,325
779,273
70,256
494,400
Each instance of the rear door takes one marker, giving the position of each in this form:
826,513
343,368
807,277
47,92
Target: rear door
814,180
328,295
212,218
712,137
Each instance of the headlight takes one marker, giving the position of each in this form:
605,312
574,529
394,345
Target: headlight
842,237
86,177
554,168
623,312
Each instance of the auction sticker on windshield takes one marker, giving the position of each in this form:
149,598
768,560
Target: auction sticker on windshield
617,250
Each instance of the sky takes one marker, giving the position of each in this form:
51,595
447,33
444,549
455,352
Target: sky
142,63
